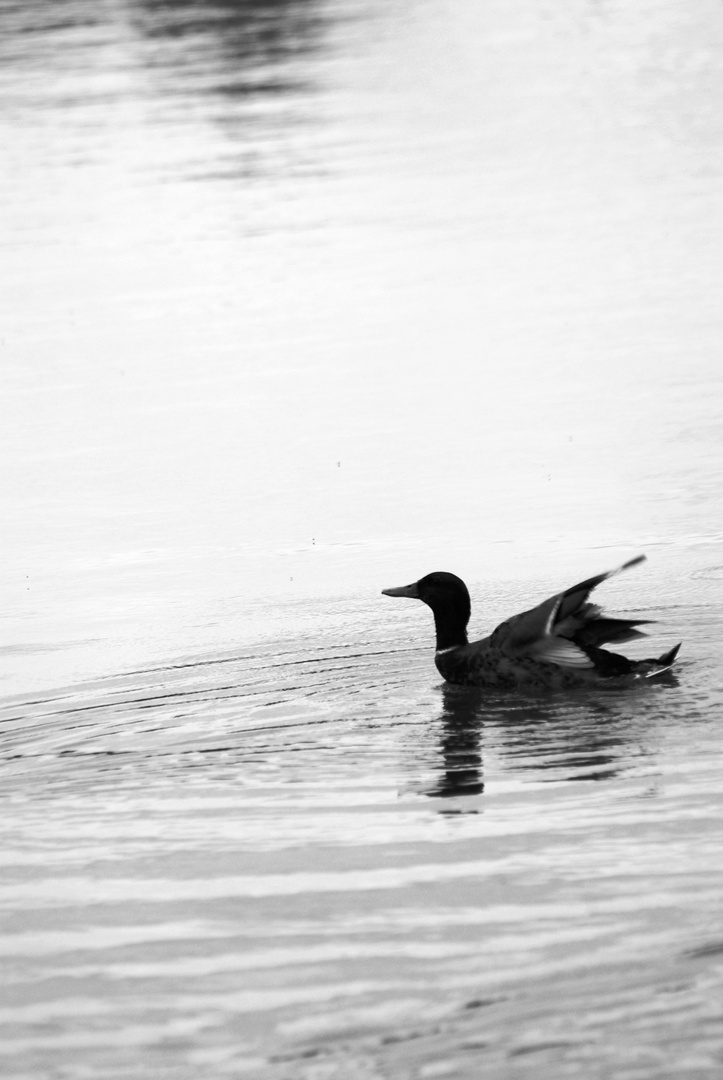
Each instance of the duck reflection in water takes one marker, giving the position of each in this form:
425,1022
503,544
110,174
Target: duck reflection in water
594,737
461,729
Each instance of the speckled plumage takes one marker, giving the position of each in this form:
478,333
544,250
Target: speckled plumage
556,645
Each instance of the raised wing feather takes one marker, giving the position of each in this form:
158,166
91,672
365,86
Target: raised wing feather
559,630
572,599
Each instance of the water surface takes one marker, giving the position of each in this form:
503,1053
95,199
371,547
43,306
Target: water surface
302,300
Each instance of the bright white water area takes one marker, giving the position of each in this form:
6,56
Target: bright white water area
301,299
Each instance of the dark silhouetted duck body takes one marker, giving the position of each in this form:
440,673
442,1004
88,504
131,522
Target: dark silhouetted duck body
557,644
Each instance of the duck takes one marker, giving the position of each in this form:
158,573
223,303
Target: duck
556,645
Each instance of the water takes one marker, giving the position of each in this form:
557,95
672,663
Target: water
302,300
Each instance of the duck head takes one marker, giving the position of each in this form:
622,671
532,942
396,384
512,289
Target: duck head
447,596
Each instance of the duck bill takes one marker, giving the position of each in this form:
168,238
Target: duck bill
403,590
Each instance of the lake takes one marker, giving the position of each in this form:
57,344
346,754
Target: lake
302,299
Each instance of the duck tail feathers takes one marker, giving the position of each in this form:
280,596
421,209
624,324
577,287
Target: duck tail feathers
650,668
667,658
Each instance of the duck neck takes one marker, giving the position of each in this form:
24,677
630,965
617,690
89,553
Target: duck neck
451,629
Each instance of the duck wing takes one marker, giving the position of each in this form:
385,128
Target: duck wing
562,629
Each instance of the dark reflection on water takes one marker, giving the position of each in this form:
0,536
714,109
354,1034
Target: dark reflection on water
573,738
581,738
249,69
249,45
459,744
265,31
